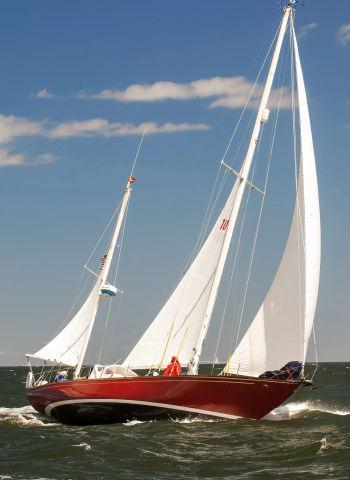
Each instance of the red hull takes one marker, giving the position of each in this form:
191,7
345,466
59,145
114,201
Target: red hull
85,402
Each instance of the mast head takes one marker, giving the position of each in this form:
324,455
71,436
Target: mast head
291,4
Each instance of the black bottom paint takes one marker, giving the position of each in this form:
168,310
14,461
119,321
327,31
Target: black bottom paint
105,413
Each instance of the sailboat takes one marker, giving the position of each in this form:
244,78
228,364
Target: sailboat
248,385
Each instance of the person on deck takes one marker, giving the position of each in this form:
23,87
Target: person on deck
174,368
62,376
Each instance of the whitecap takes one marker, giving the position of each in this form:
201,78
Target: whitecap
324,445
196,420
131,423
84,445
23,416
291,410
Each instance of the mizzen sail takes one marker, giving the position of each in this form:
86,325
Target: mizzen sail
69,346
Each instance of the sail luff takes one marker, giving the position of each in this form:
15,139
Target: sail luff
311,221
104,273
242,181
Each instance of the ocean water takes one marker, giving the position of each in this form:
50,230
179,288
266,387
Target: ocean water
308,437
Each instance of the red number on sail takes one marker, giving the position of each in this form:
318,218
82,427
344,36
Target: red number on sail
224,224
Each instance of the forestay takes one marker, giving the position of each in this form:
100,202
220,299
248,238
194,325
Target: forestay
281,329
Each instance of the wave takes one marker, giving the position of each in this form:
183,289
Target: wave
84,445
131,423
191,419
294,409
186,420
27,416
23,416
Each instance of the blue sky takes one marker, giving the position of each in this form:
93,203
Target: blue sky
79,82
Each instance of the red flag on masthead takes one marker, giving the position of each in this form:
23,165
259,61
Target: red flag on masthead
132,179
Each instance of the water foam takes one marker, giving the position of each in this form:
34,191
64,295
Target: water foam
131,423
196,420
83,445
324,446
23,416
294,409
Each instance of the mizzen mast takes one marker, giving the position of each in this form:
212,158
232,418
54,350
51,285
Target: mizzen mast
103,287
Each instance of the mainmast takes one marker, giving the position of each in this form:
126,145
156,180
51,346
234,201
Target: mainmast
243,180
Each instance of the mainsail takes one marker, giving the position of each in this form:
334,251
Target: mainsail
68,347
281,329
181,325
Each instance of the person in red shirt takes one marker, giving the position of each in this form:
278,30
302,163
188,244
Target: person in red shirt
174,368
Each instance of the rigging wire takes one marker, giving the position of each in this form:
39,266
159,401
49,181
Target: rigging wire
103,233
83,280
259,220
212,203
248,196
283,69
243,220
118,207
213,197
210,208
233,270
120,247
115,281
200,240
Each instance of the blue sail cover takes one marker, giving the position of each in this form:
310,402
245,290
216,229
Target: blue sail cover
290,371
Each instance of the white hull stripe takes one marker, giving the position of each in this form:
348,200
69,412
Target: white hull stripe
50,407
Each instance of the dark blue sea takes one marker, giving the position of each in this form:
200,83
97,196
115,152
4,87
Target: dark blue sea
307,438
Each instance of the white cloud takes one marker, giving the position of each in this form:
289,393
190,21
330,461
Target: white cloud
279,97
12,127
104,128
160,91
344,34
231,92
44,93
46,158
10,160
305,29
